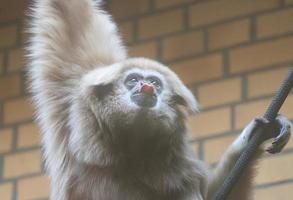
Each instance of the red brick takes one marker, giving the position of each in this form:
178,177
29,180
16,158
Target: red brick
9,86
6,138
6,191
128,8
288,107
149,50
210,122
16,60
229,34
28,135
275,23
213,11
215,148
33,188
199,69
17,110
183,45
160,24
1,62
167,3
13,9
245,112
275,169
264,83
282,192
8,35
289,2
220,92
22,164
261,55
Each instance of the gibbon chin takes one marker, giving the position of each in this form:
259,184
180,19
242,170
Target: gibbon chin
114,128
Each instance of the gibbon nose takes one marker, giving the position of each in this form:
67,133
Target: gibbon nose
148,89
145,97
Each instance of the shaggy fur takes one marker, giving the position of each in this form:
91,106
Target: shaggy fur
97,144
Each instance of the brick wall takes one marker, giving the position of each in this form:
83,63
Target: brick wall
232,54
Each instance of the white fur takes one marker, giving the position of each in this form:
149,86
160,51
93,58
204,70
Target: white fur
74,48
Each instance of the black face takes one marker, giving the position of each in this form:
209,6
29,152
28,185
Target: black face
144,90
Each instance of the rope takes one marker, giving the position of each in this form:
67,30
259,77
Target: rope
257,139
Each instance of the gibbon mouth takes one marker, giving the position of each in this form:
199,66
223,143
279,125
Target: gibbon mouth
144,99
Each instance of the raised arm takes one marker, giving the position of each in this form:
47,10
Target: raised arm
69,38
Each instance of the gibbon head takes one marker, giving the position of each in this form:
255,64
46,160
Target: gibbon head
137,105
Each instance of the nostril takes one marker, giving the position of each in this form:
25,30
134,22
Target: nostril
146,88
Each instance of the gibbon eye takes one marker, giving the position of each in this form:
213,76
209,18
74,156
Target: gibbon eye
132,79
155,81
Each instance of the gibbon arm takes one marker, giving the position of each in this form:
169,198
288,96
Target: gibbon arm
227,161
243,190
75,31
69,38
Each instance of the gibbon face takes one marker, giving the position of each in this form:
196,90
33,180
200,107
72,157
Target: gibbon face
144,88
128,108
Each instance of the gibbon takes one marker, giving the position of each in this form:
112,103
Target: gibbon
114,127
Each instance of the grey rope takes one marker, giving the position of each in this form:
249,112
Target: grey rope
258,138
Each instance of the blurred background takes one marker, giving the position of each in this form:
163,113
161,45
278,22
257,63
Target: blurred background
232,54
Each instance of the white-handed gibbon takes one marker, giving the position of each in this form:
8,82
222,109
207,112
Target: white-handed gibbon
114,128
